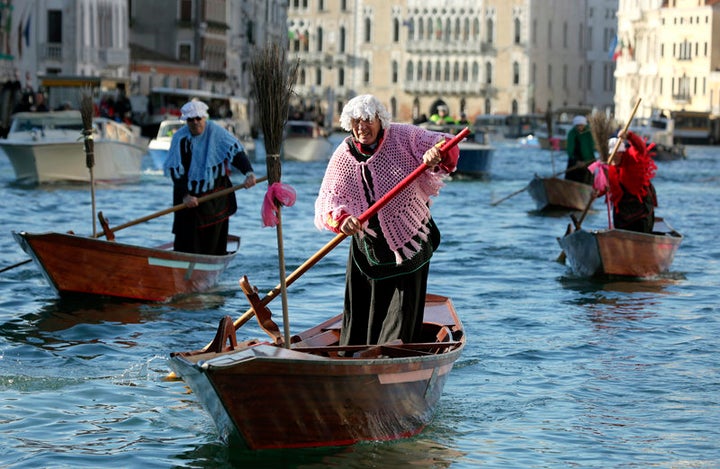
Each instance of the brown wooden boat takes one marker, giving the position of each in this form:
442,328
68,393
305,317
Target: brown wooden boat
75,264
315,393
554,193
620,252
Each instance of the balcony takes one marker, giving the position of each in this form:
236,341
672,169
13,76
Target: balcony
51,51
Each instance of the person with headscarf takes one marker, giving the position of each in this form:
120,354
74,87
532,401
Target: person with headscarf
388,265
580,148
199,162
627,181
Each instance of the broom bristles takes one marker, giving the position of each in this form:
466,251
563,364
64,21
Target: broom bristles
86,109
601,128
274,79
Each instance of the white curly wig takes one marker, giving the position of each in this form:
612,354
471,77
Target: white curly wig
365,106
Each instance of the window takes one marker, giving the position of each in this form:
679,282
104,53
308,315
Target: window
368,30
184,53
516,73
54,27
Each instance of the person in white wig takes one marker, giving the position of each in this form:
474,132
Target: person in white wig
199,162
387,270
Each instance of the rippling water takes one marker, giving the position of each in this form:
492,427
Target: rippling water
559,371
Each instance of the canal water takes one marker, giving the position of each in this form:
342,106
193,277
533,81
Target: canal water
559,371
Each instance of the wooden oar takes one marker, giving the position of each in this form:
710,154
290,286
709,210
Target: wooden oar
511,195
166,211
15,265
364,217
178,207
577,223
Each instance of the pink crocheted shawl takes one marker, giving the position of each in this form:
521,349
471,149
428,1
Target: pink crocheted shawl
405,215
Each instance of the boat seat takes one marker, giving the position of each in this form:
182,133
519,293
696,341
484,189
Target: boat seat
329,337
376,350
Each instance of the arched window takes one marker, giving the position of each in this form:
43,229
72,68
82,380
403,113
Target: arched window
428,70
516,73
342,39
409,72
396,30
489,33
438,71
488,73
516,35
465,72
488,108
475,72
447,71
420,71
368,30
319,39
394,73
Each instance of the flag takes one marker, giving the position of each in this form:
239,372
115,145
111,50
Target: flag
618,50
26,32
611,49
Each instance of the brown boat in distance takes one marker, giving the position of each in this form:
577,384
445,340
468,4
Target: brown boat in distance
314,393
620,252
553,193
74,264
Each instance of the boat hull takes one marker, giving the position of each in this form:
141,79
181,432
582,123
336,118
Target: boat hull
264,396
475,160
620,252
559,194
81,265
40,163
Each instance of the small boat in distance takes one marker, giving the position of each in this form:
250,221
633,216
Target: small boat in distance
553,193
315,393
47,147
620,252
305,140
476,153
159,146
74,264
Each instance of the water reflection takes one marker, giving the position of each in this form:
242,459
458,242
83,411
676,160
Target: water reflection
607,300
420,451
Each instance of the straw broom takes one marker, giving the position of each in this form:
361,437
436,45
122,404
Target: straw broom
274,79
601,128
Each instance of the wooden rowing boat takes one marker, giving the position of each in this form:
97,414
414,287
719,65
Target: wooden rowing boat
620,252
315,393
75,264
554,193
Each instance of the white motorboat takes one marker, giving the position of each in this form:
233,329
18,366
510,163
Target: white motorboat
48,147
159,146
305,141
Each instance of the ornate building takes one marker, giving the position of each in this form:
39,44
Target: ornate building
489,56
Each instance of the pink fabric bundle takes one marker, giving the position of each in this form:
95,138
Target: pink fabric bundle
277,194
599,170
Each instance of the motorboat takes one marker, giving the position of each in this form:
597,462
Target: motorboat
48,147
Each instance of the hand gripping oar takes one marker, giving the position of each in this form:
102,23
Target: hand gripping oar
364,217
